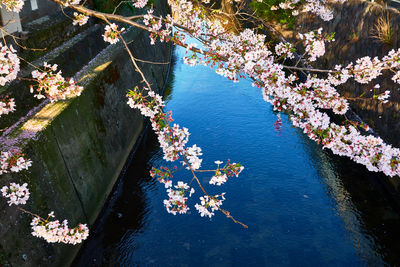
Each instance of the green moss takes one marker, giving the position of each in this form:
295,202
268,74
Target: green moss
108,6
263,11
3,257
45,40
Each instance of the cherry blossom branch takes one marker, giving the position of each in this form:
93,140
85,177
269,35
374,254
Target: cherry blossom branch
225,212
51,231
107,17
119,4
308,69
234,56
151,62
172,141
177,205
320,90
30,213
6,33
134,62
104,16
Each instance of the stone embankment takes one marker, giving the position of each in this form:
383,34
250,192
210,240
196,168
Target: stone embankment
79,146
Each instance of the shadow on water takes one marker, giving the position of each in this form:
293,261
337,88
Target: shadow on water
125,212
127,207
370,214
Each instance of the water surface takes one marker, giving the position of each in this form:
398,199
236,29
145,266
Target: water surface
303,206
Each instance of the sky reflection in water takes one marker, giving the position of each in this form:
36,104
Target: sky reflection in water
303,206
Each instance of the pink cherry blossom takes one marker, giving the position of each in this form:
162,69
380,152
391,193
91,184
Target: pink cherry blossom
16,193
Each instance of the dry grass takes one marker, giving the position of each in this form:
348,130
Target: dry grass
354,37
383,31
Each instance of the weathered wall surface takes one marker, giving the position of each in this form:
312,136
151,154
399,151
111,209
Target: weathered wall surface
28,13
78,147
59,40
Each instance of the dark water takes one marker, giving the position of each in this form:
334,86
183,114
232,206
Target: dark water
303,206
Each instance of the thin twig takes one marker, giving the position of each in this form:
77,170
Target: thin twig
134,62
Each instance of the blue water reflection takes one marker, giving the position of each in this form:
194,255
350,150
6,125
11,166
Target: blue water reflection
296,199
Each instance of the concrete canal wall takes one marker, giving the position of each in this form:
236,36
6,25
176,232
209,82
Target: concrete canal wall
79,146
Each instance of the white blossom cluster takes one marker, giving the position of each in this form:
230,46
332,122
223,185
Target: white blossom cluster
209,204
366,69
246,55
192,155
16,193
140,3
219,178
392,61
80,19
314,44
384,97
149,109
340,76
9,64
284,49
13,161
71,2
7,105
111,33
323,95
172,141
288,4
56,232
186,14
317,7
222,173
177,199
53,85
156,25
13,5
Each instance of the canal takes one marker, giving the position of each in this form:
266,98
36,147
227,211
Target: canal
303,206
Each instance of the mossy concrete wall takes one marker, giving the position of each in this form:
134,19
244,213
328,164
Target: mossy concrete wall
78,148
69,46
43,8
